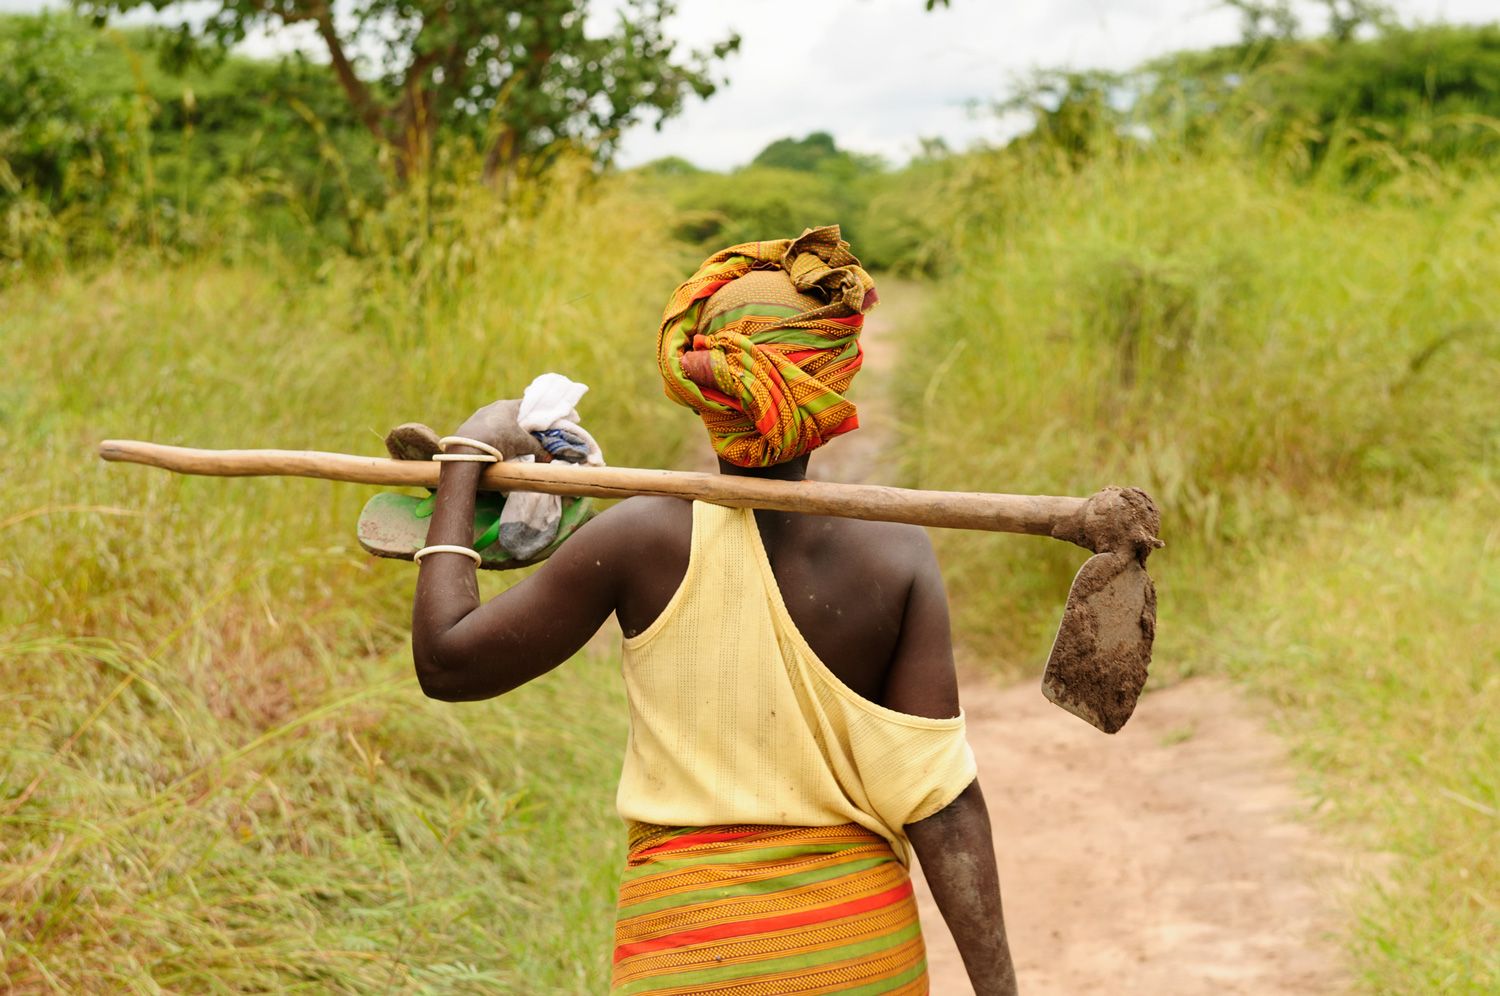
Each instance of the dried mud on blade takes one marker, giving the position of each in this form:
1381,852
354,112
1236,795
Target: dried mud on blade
1098,663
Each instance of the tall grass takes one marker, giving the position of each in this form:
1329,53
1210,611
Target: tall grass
218,773
1243,346
1309,383
1376,641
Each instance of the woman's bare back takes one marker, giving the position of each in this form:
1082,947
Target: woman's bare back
845,583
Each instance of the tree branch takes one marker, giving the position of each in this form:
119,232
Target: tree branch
365,105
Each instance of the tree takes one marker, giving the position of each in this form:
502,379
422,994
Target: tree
1262,20
1277,20
1347,17
817,153
1078,113
1401,97
799,154
517,76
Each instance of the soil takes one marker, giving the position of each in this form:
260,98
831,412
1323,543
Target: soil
1172,858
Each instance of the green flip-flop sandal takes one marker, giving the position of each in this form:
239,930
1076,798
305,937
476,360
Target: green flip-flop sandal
395,525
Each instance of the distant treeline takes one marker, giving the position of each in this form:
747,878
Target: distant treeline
105,140
1355,112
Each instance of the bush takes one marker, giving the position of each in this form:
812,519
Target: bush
65,149
891,218
1364,109
101,147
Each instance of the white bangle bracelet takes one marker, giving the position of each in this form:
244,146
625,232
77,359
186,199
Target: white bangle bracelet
448,441
464,458
448,548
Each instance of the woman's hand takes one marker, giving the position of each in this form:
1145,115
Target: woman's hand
496,424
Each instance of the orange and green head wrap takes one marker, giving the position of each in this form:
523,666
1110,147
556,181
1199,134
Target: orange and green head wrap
763,341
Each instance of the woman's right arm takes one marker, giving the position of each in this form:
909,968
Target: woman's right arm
955,845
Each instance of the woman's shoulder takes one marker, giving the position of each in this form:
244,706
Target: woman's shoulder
644,523
651,513
648,540
895,545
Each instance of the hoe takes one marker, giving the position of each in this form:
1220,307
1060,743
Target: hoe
1097,666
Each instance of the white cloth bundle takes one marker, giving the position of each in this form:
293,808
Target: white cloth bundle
529,522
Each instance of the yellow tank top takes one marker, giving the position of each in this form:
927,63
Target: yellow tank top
734,719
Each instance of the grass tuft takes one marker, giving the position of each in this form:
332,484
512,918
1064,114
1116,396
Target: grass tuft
219,773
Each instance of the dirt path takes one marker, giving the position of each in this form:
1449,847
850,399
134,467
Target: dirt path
1170,859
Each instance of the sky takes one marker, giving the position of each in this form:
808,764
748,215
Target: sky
882,74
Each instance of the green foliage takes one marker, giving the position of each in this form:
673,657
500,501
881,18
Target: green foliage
669,166
280,130
804,154
517,77
218,772
1346,108
817,153
99,147
1263,20
749,204
61,138
1156,301
1309,384
890,217
906,215
1430,94
65,147
1076,115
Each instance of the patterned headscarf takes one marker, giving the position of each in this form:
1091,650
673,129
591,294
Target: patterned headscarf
762,342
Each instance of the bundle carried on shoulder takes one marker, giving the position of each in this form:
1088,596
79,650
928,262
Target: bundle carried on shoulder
510,530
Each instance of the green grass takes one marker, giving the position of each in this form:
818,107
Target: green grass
220,776
1242,347
218,772
1375,637
1309,384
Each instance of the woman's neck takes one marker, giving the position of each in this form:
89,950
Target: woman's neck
792,470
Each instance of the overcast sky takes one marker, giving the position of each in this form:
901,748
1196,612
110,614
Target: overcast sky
881,74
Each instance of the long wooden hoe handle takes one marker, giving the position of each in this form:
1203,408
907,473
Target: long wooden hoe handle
1035,514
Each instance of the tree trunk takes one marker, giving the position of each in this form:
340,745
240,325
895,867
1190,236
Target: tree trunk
415,132
500,161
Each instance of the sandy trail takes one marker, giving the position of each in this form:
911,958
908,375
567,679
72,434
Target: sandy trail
1173,858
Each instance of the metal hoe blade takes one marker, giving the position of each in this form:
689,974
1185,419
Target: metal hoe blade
1098,663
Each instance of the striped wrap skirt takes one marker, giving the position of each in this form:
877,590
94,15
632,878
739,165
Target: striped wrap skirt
765,910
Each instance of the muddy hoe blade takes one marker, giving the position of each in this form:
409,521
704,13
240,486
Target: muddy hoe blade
1100,656
1098,663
